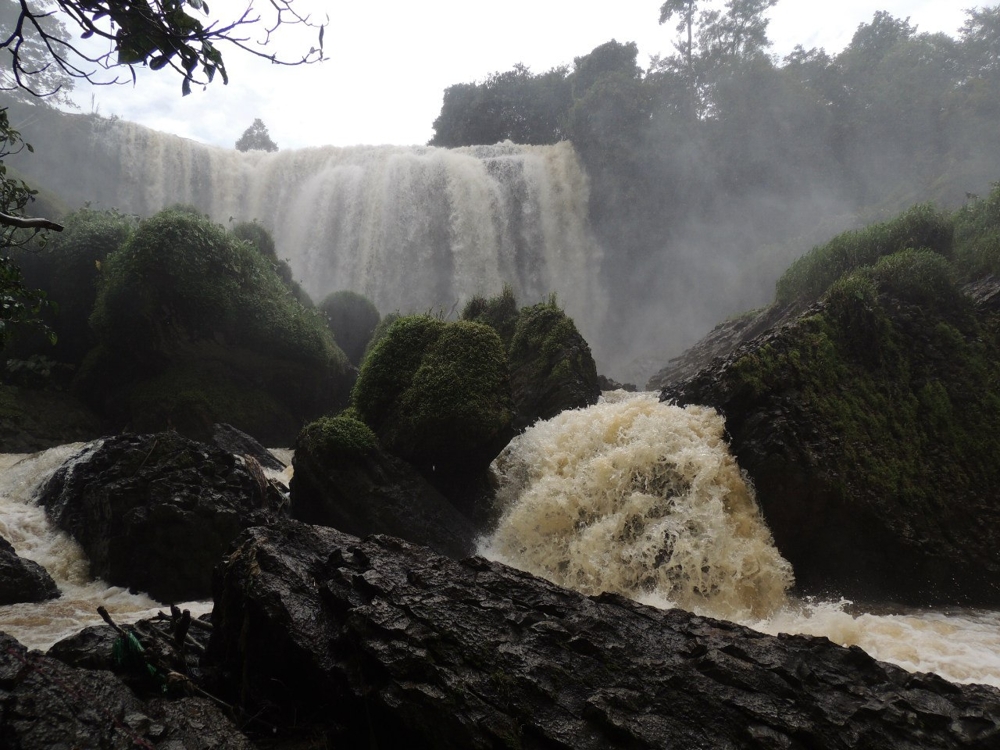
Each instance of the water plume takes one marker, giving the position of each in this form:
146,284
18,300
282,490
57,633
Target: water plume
642,499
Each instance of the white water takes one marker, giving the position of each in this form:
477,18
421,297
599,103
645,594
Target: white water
643,499
416,229
24,524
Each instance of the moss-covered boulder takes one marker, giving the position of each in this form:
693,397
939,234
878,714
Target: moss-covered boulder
257,235
352,318
551,367
499,313
438,395
870,426
67,268
195,327
344,479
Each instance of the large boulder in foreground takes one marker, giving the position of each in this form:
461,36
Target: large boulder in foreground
382,643
344,479
155,513
23,580
870,426
45,704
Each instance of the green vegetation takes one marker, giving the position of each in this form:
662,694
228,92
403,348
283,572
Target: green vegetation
499,313
436,392
66,268
337,441
352,318
181,277
923,226
977,236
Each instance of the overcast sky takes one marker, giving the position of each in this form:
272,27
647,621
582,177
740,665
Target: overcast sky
390,61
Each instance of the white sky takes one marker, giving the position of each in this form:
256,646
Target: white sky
390,61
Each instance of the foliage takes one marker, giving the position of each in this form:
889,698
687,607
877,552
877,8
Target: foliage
499,313
67,268
179,34
256,138
923,226
180,278
435,392
380,330
551,366
352,318
515,105
977,236
257,235
337,440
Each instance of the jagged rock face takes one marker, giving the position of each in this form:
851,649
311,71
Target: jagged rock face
45,704
367,491
869,427
385,644
155,513
23,580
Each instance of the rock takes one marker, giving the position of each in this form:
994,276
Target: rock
607,384
23,580
344,479
238,443
551,366
382,643
155,513
37,419
869,426
45,704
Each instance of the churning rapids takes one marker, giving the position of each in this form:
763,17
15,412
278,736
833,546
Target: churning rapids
631,496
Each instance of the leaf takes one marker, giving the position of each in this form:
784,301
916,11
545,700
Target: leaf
321,30
158,62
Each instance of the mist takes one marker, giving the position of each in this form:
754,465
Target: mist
654,202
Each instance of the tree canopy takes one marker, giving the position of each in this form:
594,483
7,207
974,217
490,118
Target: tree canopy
256,138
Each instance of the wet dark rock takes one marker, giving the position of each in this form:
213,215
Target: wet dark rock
364,492
721,342
868,428
607,384
238,443
37,419
46,704
155,513
23,580
382,643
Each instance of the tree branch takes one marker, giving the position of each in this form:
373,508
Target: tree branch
20,222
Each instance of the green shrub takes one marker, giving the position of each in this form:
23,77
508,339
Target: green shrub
380,330
977,236
257,235
499,313
338,440
921,277
181,278
923,226
435,391
67,268
352,318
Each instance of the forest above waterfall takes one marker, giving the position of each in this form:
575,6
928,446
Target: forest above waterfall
715,166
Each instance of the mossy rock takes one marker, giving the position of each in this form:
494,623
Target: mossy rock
551,366
340,441
260,239
185,308
352,318
869,426
499,313
437,393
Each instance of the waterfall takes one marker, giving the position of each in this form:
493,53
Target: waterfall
643,499
415,229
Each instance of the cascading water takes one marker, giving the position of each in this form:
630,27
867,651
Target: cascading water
415,229
24,524
643,499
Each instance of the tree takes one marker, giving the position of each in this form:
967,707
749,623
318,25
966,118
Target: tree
44,58
154,33
256,138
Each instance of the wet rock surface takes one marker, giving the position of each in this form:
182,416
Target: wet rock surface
23,580
866,431
46,704
373,493
381,643
155,513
